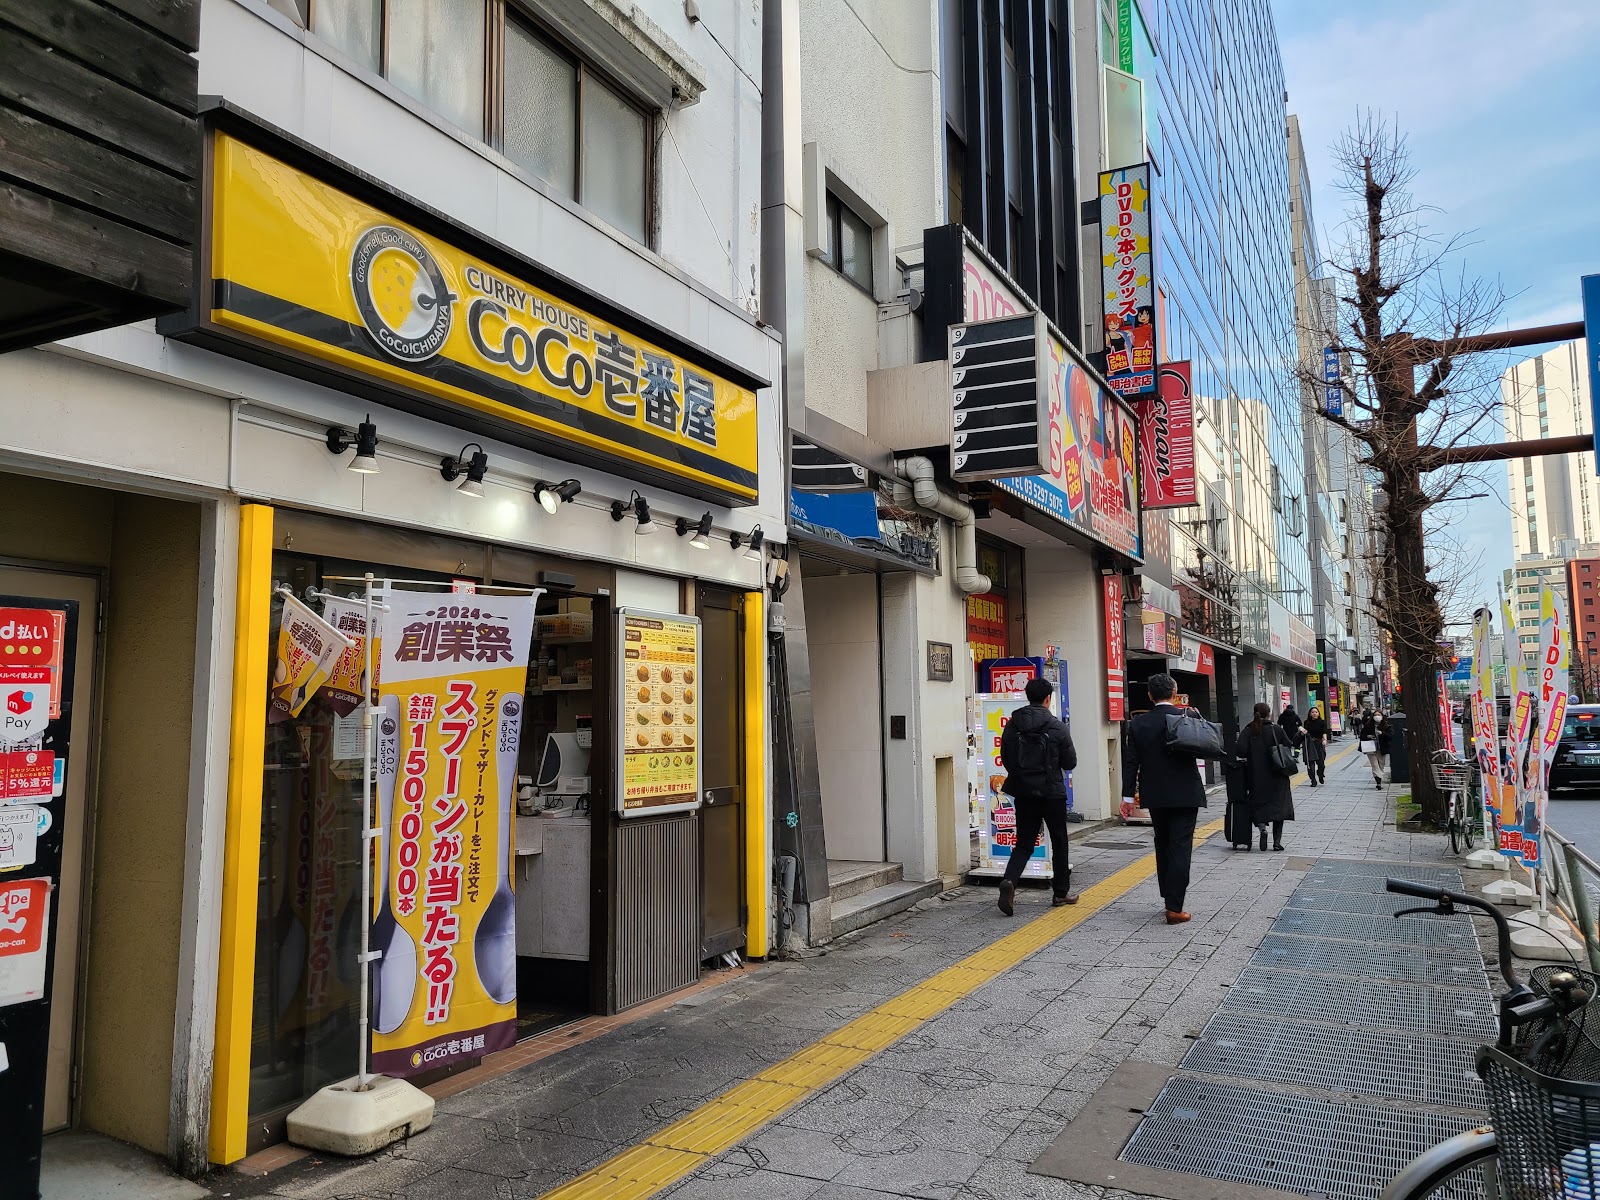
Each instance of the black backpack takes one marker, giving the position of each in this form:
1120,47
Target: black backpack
1037,753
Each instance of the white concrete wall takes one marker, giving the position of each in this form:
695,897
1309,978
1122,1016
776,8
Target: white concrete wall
841,613
870,103
1061,588
917,610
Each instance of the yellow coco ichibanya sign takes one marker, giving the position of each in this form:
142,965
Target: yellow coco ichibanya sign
300,264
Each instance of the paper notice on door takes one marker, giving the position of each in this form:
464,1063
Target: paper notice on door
349,738
19,835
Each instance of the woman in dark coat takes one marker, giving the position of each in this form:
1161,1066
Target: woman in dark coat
1316,745
1271,797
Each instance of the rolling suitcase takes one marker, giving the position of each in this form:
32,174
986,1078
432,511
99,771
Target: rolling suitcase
1236,817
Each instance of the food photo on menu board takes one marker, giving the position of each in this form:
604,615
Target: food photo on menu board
660,712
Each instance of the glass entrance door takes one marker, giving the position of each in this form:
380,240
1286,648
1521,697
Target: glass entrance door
722,913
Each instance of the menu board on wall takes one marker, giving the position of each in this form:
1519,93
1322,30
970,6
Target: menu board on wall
658,725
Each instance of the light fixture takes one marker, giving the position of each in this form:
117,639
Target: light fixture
473,469
756,539
364,439
701,531
637,505
552,496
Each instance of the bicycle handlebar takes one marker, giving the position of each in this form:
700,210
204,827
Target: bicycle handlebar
1423,891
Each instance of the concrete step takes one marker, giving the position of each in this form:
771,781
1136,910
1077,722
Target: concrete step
849,878
877,903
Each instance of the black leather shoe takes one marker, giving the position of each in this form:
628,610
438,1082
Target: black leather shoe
1008,891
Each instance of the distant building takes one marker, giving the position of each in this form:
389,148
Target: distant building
1556,496
1583,594
1523,581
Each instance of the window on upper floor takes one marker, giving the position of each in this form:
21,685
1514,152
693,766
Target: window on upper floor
497,76
847,246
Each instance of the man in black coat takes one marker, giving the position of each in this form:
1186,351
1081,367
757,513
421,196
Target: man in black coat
1036,749
1169,787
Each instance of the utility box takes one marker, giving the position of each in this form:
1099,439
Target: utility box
1399,749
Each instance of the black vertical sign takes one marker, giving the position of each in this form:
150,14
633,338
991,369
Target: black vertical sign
38,651
1000,404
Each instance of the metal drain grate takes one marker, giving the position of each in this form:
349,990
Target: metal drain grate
1418,1008
1360,928
1350,869
1369,904
1348,1059
1251,1135
1448,966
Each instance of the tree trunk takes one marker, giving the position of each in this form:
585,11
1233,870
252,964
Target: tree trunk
1412,608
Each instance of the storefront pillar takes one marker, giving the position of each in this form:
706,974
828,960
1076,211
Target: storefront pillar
758,857
241,864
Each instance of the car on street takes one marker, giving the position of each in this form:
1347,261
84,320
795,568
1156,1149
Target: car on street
1576,766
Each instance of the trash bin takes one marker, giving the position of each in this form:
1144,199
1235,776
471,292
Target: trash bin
1399,749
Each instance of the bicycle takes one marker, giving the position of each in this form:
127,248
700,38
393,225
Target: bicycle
1454,777
1549,1119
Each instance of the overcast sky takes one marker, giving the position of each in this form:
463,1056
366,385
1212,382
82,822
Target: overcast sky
1502,105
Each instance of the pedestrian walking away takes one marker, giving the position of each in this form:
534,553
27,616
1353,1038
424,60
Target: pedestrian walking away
1289,722
1316,745
1036,751
1372,737
1169,787
1271,794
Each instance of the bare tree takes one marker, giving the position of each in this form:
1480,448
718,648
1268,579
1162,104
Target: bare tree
1405,332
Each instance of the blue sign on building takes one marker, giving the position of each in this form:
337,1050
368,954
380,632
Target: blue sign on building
1591,327
1332,393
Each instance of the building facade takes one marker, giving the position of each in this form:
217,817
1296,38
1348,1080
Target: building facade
1553,497
477,312
1525,581
1224,266
1583,594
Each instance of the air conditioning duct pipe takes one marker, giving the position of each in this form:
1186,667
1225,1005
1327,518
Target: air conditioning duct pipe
916,474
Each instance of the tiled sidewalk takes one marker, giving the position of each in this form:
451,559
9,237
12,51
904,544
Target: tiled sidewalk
958,1108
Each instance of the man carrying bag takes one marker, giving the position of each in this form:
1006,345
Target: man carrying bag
1158,765
1036,750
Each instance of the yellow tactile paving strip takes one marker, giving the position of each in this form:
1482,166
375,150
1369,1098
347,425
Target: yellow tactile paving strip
686,1145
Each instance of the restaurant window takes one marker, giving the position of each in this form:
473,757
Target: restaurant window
433,50
574,131
549,111
847,244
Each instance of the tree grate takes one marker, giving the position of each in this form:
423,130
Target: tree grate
1250,1135
1423,931
1444,1012
1451,967
1345,1059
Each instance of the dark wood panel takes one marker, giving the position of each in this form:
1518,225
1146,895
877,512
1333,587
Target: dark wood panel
113,45
56,160
176,19
55,87
35,227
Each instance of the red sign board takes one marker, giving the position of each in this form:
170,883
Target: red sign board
1116,663
986,625
1166,440
1207,663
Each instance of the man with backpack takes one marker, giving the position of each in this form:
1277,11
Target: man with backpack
1036,750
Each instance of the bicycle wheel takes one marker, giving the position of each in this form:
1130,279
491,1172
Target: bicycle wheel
1455,834
1468,831
1461,1168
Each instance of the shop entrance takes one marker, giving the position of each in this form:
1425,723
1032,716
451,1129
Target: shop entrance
722,909
19,586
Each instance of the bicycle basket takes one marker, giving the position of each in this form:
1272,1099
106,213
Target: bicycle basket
1544,1094
1453,777
1544,1127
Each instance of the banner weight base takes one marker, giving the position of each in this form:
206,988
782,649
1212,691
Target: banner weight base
1508,892
1487,860
1545,945
343,1118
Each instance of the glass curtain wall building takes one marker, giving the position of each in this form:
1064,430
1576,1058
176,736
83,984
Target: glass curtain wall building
1214,117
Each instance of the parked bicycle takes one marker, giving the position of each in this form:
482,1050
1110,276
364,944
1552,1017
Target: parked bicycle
1456,777
1540,1077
